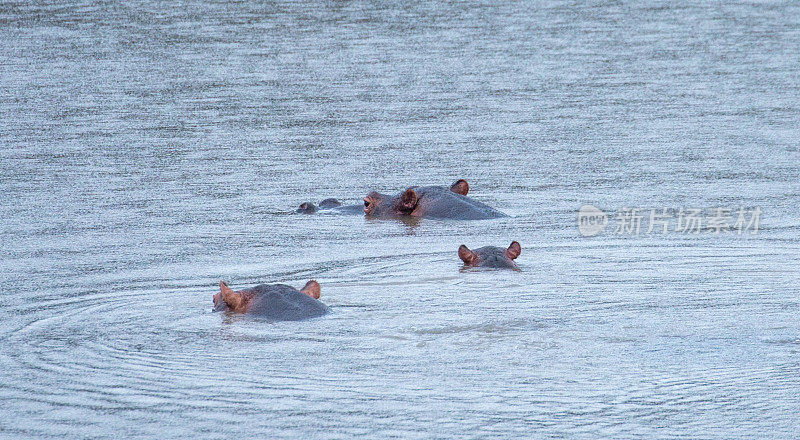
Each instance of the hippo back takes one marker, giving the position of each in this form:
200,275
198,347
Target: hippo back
284,303
440,202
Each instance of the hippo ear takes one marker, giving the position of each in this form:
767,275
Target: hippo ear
514,250
460,187
312,289
226,292
408,201
466,255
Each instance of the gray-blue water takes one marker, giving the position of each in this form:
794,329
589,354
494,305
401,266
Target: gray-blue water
150,149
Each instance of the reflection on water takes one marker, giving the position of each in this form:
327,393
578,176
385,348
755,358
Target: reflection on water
150,150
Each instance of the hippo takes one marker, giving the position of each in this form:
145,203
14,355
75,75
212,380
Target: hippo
436,202
278,302
329,205
306,208
490,256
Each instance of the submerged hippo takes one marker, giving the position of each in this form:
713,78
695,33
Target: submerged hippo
328,205
490,256
310,208
430,202
274,301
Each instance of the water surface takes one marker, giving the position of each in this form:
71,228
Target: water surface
150,149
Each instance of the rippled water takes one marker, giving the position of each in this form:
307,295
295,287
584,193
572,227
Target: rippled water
150,149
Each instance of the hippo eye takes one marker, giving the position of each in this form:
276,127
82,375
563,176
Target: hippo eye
366,203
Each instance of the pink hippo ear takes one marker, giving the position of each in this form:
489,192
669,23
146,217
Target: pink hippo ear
231,298
514,250
408,201
460,187
467,256
312,289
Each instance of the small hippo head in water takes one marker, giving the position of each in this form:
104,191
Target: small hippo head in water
307,208
490,256
242,301
382,205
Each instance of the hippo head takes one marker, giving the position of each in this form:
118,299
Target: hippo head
490,256
229,299
382,205
307,208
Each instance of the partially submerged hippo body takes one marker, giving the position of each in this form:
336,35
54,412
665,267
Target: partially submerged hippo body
490,256
278,302
430,202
